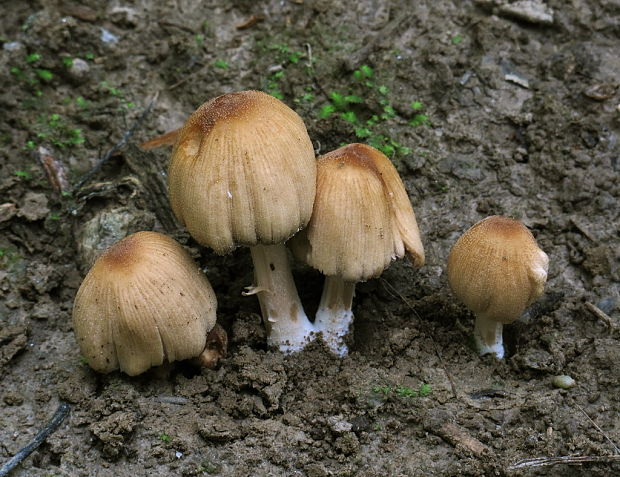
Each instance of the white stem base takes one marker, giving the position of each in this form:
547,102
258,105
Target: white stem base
334,315
287,325
488,336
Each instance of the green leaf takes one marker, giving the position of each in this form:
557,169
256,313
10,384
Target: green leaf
349,117
419,120
44,74
326,111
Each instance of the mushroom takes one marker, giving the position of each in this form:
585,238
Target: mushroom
243,173
362,220
497,270
142,303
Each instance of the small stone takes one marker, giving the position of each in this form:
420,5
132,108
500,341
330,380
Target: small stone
79,70
13,46
33,207
338,424
7,211
532,11
563,381
124,17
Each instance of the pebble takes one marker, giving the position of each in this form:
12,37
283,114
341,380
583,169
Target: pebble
563,381
532,11
79,69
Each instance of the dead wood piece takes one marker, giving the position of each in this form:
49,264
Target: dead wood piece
596,311
250,22
460,438
54,170
167,139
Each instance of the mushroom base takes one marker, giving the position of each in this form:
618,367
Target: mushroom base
488,336
287,325
334,315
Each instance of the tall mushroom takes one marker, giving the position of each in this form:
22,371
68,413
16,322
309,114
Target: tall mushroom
497,270
362,220
243,173
142,303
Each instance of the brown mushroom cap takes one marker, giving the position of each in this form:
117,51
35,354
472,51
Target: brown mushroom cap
143,302
496,269
243,172
362,216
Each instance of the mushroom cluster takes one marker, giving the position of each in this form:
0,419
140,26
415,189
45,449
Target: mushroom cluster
243,173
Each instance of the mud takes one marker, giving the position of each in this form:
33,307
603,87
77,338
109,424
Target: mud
492,113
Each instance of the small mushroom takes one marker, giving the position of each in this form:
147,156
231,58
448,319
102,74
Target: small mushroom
497,270
243,173
144,302
362,220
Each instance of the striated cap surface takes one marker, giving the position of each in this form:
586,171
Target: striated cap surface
497,269
143,302
242,172
362,216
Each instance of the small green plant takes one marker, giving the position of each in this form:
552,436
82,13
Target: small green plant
385,390
164,437
221,64
352,108
67,61
419,118
83,360
402,391
23,174
45,75
456,39
54,130
33,57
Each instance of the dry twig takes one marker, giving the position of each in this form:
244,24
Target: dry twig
596,311
61,413
613,444
568,460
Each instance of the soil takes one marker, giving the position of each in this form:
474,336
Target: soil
492,113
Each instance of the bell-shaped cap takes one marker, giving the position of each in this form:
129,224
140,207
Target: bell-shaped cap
362,217
243,172
496,269
143,302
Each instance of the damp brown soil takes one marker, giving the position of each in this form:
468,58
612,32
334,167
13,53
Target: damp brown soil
483,112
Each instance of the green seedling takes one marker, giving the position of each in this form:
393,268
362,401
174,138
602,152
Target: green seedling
456,39
385,390
403,391
68,62
221,64
164,437
23,174
45,75
33,57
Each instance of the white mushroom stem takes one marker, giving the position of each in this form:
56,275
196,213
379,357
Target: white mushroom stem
287,325
488,336
334,315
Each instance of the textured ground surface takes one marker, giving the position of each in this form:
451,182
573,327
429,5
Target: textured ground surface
490,114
